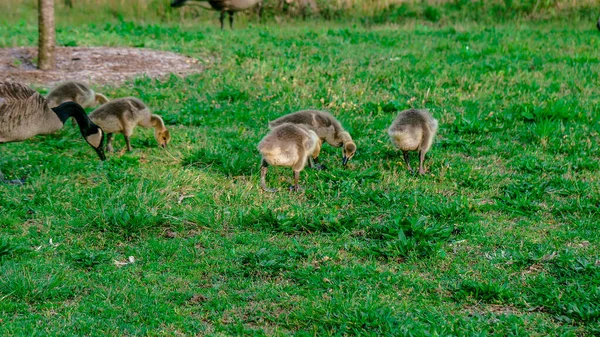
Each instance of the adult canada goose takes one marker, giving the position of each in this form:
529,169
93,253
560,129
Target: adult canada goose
413,130
229,6
24,113
73,91
122,115
325,126
287,145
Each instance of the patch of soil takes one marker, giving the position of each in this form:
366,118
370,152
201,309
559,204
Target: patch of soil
100,65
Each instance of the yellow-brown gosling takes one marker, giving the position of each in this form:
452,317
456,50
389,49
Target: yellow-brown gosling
327,128
73,91
122,115
288,145
413,130
229,6
25,113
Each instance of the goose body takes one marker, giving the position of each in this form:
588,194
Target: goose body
25,113
223,6
122,115
73,91
325,125
288,145
413,130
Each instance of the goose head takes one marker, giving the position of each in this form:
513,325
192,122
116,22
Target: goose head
91,132
95,137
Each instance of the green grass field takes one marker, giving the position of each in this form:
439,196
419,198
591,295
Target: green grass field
501,238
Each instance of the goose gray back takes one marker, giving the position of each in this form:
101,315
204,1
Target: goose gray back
223,6
74,91
413,130
326,126
24,113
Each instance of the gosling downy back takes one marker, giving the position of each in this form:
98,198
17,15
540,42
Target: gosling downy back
74,91
288,145
413,130
122,115
325,125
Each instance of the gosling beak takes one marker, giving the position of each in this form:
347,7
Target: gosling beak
345,160
100,153
164,146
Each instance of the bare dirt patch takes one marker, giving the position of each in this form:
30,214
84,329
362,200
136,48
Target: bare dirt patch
99,65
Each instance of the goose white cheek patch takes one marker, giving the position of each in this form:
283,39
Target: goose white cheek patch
95,139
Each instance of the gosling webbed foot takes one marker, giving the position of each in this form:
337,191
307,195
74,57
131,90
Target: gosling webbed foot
11,182
296,188
320,167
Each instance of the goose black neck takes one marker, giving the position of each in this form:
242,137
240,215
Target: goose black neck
72,109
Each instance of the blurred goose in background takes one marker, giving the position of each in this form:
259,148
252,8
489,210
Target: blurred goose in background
25,113
229,6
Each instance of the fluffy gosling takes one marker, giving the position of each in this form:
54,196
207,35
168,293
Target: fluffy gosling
122,115
288,145
73,91
327,128
413,130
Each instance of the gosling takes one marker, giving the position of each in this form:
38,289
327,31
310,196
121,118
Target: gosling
413,130
288,145
122,115
73,91
25,113
327,128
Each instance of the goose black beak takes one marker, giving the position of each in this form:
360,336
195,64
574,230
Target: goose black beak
345,160
100,153
178,3
164,146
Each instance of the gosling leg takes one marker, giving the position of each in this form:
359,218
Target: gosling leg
407,161
10,182
421,160
296,187
127,141
109,139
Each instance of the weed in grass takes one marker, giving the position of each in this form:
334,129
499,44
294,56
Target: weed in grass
479,291
88,259
407,237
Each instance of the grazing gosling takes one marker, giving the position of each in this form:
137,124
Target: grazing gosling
122,115
24,113
326,127
73,91
413,130
287,145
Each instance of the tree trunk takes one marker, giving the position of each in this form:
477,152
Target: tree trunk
47,35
